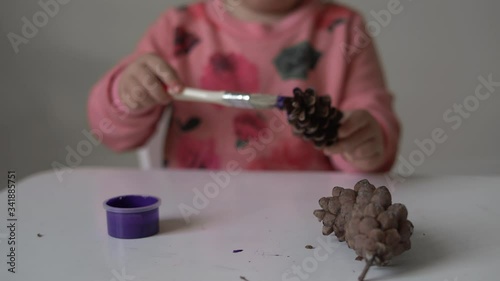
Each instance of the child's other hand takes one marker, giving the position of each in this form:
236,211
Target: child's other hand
361,141
142,83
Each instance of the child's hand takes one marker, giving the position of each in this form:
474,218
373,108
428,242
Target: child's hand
360,141
142,83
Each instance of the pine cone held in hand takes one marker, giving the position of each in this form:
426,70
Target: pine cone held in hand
312,117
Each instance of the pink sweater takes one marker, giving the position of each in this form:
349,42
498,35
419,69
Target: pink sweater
323,46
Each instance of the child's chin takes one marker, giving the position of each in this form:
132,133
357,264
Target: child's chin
271,7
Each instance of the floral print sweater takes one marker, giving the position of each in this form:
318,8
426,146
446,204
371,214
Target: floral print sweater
320,45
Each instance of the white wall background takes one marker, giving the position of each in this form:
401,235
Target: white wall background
433,52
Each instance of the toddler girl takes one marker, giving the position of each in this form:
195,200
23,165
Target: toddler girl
256,46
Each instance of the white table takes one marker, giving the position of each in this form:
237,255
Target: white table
267,215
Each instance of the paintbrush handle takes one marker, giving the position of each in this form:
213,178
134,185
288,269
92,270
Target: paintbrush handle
232,99
198,95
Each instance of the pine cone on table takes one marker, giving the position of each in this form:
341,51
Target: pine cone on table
312,117
368,221
335,211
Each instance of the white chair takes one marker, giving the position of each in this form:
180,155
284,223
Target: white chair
151,154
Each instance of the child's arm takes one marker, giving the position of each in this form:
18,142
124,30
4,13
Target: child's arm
125,105
369,136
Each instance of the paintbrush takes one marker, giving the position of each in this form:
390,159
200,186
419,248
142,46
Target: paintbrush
232,99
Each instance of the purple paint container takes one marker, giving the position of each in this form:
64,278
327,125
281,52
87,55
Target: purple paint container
132,216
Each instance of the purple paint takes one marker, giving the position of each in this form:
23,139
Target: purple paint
280,102
132,216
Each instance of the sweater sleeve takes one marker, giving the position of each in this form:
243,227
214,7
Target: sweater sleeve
365,88
119,128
